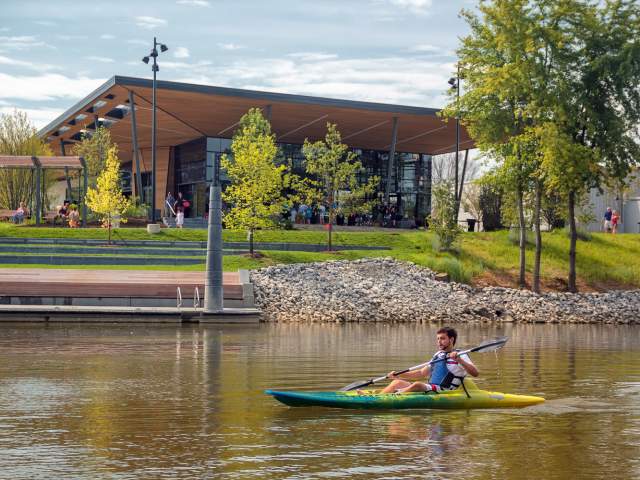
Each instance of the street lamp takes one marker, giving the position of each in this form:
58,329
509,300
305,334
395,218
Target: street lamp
154,68
454,82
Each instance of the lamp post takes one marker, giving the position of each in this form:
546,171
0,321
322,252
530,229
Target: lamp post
154,68
454,82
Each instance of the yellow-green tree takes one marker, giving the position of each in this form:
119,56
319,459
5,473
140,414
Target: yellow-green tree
334,170
256,193
107,199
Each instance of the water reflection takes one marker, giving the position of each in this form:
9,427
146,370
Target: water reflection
185,402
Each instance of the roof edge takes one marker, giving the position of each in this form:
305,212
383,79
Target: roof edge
78,105
232,92
274,96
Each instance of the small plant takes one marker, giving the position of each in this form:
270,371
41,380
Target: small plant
443,221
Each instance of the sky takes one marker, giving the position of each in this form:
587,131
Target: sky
54,53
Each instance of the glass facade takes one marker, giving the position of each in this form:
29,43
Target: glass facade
410,192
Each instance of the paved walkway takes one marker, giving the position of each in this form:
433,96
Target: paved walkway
21,282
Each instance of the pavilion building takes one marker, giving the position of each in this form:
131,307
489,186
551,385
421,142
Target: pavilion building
195,124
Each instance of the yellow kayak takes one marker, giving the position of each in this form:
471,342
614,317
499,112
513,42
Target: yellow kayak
473,397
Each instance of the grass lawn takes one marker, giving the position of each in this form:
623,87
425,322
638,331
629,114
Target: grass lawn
604,262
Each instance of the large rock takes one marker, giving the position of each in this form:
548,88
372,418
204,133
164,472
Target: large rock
384,289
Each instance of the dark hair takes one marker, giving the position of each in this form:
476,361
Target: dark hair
451,333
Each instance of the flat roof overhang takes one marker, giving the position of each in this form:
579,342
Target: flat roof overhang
189,111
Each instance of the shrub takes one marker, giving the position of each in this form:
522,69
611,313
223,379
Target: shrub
444,217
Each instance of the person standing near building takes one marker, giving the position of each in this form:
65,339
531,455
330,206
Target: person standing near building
615,219
607,220
179,217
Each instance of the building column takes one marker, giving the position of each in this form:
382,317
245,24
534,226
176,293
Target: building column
392,154
136,150
66,171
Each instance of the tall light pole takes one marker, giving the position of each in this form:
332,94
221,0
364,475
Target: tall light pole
154,68
455,84
213,294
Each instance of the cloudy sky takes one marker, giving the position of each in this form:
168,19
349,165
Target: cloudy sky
395,51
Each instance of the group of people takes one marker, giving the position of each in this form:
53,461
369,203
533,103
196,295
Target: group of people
175,207
68,214
20,214
611,221
304,214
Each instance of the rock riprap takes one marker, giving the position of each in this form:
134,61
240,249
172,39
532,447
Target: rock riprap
387,290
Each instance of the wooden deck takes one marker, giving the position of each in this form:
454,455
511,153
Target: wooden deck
32,282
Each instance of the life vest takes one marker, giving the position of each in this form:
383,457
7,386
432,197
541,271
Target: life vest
440,374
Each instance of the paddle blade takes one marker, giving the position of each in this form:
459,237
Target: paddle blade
490,345
356,385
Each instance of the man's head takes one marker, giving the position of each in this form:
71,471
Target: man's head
446,338
608,209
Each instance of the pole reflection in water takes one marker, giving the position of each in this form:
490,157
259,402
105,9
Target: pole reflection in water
187,402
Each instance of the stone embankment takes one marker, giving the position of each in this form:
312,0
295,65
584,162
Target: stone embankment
383,290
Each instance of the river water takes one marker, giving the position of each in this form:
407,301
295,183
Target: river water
125,402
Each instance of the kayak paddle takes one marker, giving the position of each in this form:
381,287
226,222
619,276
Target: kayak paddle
486,346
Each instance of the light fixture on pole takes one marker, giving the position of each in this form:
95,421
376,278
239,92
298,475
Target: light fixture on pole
154,68
454,82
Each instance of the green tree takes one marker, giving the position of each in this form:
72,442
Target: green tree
334,171
257,185
107,199
591,134
19,137
443,220
94,148
505,67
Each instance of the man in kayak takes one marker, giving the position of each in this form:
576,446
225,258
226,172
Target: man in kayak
446,374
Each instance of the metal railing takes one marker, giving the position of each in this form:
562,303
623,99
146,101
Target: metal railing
196,298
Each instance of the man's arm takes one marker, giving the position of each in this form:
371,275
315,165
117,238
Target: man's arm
468,366
420,374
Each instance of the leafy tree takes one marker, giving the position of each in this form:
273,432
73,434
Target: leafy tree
592,135
107,199
490,203
257,185
334,170
443,220
18,137
94,148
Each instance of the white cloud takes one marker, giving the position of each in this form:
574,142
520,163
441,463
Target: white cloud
194,3
181,52
50,86
150,23
45,23
230,46
367,79
183,66
39,117
72,37
313,56
426,48
416,6
94,58
23,42
137,41
107,36
12,62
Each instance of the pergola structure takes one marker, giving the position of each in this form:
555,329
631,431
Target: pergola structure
38,164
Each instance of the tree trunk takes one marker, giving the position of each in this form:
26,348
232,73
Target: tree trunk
461,186
536,223
108,229
571,284
251,242
523,237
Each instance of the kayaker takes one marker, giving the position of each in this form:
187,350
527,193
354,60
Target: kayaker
444,375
